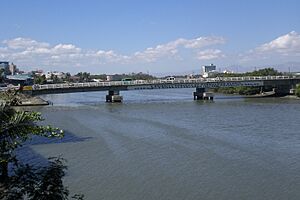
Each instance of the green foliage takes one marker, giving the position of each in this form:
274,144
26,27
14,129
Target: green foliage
261,72
43,183
247,90
133,76
239,90
17,127
68,76
83,76
40,79
136,76
2,75
298,91
264,72
24,181
10,97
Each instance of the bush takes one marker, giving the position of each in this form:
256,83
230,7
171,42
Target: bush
24,181
298,91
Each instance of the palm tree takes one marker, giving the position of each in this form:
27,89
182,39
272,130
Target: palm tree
25,181
17,127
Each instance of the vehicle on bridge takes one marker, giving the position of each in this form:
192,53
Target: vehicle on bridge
127,79
170,78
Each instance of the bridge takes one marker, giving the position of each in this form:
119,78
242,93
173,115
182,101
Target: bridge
281,84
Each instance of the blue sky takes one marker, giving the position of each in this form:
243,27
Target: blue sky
154,36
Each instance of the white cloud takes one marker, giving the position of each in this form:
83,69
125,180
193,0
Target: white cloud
286,45
172,48
210,54
282,49
203,42
23,43
65,48
29,52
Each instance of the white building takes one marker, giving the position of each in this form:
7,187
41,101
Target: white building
59,75
227,72
208,70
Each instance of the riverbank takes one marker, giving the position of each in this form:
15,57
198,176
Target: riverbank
27,100
291,97
33,101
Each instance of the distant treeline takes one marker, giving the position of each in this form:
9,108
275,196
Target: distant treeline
261,72
133,76
247,90
87,77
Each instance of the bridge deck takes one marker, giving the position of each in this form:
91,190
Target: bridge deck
150,84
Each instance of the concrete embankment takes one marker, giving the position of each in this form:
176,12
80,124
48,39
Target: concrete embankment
291,97
33,101
26,100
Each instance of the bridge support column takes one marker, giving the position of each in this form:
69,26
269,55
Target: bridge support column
198,95
113,96
201,94
208,96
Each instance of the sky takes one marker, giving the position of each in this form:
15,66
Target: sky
156,37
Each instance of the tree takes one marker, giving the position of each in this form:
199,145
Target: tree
16,128
83,76
68,77
42,183
56,79
80,75
40,79
264,72
298,91
86,76
24,181
2,74
11,97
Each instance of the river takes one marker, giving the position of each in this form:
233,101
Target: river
160,144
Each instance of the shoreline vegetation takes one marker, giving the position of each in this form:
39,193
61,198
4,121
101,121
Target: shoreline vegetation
21,180
297,93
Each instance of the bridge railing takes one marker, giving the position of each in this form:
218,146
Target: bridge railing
152,82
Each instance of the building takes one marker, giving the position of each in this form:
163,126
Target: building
208,70
227,72
13,69
20,79
115,77
60,75
75,79
4,66
9,69
38,72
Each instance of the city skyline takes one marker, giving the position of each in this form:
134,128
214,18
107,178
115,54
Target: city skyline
154,37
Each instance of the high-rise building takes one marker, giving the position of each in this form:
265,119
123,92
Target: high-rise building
207,70
12,69
4,66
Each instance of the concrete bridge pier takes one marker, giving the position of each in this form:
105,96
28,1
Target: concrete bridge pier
198,95
208,96
201,94
114,96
